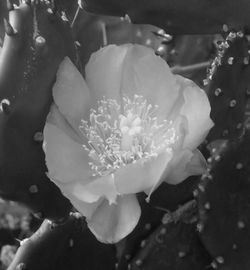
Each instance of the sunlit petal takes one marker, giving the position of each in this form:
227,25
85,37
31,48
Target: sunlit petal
141,175
102,187
57,119
66,159
71,93
185,164
111,223
85,208
149,75
196,109
104,71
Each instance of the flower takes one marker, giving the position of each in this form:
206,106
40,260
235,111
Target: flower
127,127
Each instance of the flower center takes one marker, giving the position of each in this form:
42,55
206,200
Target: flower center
118,135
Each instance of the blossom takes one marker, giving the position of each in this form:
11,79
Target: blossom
127,127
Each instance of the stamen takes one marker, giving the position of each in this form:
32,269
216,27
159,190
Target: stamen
119,136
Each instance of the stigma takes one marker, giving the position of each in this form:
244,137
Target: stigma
120,134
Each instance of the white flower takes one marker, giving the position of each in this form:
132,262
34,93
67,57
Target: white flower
125,128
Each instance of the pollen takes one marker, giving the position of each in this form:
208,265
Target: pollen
120,134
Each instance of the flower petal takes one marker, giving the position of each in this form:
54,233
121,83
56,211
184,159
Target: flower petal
71,93
185,164
150,76
66,159
56,118
141,175
102,187
86,209
104,71
111,223
196,109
